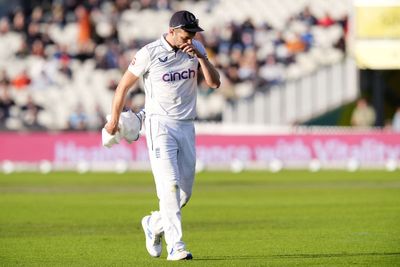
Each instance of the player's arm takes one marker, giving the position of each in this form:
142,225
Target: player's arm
135,70
126,82
211,75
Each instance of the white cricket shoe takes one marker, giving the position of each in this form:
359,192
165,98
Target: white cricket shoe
153,241
181,254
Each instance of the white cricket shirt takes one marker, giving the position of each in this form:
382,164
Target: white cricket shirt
169,79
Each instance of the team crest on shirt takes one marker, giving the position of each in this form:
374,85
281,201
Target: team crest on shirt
163,59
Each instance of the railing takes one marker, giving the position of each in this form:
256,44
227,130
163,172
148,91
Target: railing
298,100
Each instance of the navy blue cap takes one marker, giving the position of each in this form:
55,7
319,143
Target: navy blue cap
185,20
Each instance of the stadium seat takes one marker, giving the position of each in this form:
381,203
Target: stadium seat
89,84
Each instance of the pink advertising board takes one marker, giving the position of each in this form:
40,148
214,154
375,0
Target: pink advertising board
369,148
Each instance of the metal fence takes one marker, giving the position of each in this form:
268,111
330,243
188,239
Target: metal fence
298,100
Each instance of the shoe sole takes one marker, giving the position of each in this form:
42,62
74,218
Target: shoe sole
188,257
144,226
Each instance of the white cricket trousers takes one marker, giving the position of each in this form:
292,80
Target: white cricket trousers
172,151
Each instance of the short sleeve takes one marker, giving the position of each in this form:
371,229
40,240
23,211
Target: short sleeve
140,62
200,47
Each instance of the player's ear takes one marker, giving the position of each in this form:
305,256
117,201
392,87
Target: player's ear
171,31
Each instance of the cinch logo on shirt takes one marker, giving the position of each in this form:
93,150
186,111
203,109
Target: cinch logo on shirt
177,76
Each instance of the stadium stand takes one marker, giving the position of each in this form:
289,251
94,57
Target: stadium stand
65,58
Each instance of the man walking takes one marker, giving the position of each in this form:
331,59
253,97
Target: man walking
169,67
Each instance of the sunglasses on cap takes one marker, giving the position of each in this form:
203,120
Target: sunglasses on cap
191,25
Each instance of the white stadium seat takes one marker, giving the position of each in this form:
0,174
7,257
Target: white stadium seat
90,85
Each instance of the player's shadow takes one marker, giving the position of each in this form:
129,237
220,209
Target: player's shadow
298,256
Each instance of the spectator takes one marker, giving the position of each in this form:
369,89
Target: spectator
271,73
37,15
6,103
30,112
363,115
164,5
236,55
278,39
85,43
147,4
42,80
341,43
83,19
4,79
107,56
232,74
62,52
396,121
295,44
307,17
247,34
121,5
99,118
308,39
33,33
65,69
38,48
4,27
22,80
57,15
283,55
41,31
78,120
248,65
19,22
326,21
63,59
23,51
111,56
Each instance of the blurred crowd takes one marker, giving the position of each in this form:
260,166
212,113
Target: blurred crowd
249,56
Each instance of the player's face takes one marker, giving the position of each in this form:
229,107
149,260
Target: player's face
181,37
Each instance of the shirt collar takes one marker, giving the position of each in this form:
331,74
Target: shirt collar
165,43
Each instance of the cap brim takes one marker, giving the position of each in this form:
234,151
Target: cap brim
194,29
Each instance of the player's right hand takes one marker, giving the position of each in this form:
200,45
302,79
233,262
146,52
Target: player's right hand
111,127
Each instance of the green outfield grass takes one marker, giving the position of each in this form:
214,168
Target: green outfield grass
291,218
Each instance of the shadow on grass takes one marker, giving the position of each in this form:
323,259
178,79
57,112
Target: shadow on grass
299,256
